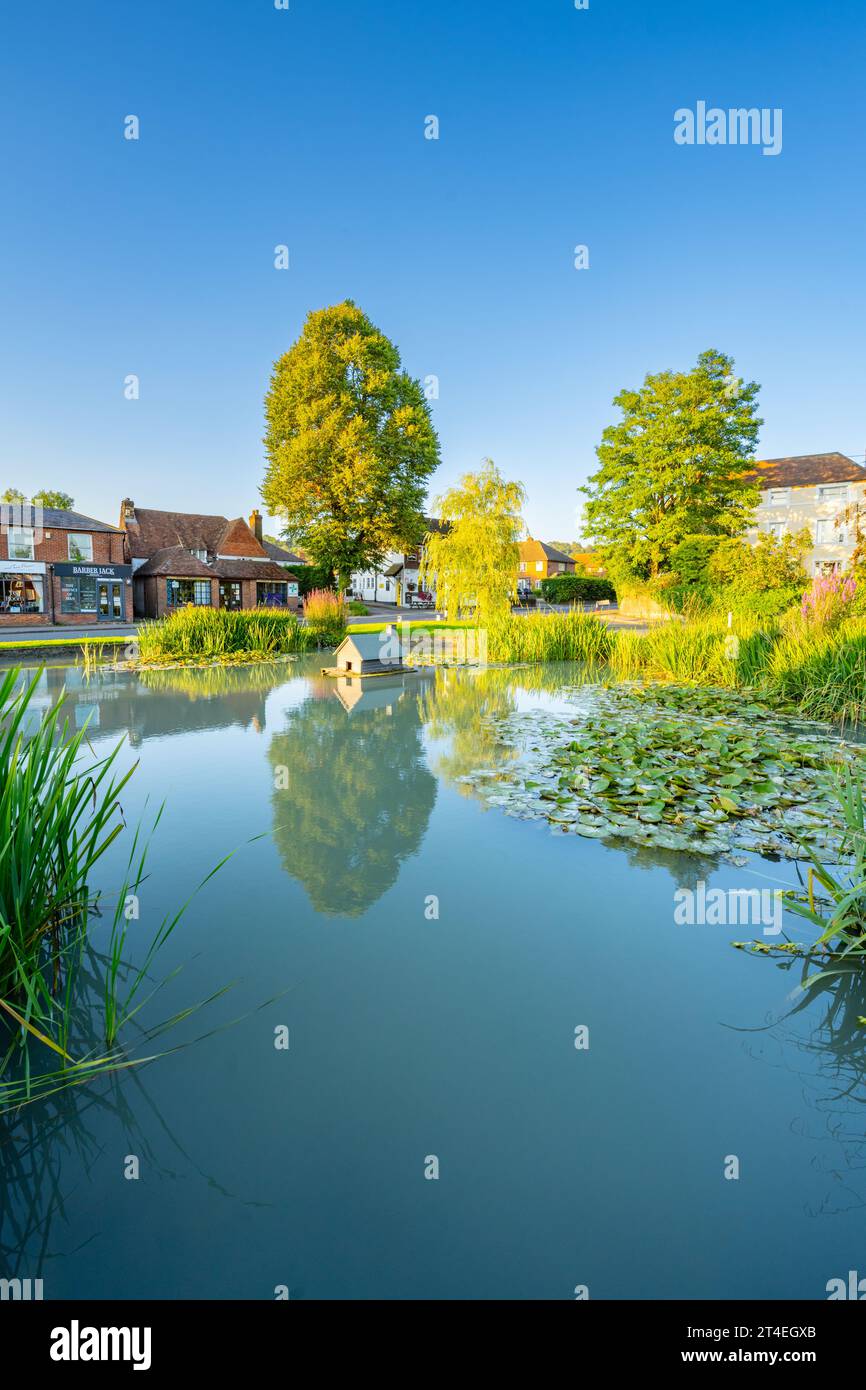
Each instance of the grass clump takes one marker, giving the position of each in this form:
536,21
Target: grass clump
573,636
216,632
62,1006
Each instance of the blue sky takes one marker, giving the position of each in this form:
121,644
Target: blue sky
306,127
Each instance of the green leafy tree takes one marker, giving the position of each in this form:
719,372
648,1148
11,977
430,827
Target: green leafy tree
472,561
45,497
770,563
350,443
676,464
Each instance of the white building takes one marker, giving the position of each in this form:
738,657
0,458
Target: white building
811,492
396,580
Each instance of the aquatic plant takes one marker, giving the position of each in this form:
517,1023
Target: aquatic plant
325,613
828,599
572,636
702,770
59,814
216,632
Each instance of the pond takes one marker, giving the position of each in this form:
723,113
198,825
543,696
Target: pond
460,989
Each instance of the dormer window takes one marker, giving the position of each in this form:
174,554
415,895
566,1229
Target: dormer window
200,555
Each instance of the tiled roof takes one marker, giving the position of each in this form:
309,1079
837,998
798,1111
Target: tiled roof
174,560
53,519
285,557
249,569
803,470
557,555
152,530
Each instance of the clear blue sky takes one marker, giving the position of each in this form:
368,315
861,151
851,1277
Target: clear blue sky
305,127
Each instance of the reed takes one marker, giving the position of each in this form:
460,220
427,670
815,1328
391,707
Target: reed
215,632
59,813
572,636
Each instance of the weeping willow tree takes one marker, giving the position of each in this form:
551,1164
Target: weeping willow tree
472,561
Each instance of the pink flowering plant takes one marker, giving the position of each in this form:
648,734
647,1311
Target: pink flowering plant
829,599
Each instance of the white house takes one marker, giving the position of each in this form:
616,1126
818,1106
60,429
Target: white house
397,578
811,492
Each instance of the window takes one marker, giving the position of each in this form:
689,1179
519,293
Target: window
828,532
21,593
522,566
272,594
181,591
80,547
77,594
776,529
778,496
833,492
200,555
21,543
539,565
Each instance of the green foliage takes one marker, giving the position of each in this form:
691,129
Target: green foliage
574,636
312,577
62,1006
357,609
676,464
472,562
770,563
216,632
689,559
45,497
576,588
350,443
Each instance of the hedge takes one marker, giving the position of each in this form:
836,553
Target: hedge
577,588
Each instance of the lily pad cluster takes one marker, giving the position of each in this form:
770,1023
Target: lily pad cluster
705,771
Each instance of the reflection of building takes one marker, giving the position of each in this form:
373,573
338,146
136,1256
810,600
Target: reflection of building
382,693
58,566
158,704
183,558
811,492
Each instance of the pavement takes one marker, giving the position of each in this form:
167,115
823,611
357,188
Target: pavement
69,634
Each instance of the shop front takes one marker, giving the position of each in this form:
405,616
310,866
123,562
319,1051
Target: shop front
22,589
92,593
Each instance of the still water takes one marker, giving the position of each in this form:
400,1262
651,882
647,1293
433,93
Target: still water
413,1036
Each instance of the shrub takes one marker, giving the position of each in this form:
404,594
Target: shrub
768,564
691,557
312,577
358,610
576,588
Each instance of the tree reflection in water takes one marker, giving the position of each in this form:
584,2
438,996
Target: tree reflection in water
352,790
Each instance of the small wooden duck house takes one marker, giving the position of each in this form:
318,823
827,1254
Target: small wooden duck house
370,654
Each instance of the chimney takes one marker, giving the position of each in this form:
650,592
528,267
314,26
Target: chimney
256,524
127,511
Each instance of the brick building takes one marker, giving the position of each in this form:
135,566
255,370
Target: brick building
182,558
61,567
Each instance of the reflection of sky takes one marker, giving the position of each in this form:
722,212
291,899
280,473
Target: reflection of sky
452,1036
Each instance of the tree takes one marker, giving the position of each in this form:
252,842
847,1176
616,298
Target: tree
676,464
45,497
473,559
771,563
350,443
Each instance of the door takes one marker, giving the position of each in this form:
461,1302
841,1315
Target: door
230,594
109,601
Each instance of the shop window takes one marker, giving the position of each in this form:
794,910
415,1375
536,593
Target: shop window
80,547
183,591
77,594
22,593
272,594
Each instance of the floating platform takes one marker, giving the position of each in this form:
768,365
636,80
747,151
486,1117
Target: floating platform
371,675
